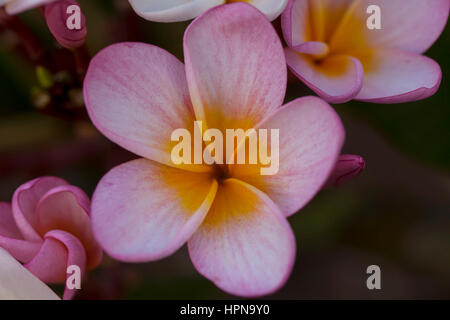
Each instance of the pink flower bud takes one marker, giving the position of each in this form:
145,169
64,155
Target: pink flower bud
50,230
347,167
66,23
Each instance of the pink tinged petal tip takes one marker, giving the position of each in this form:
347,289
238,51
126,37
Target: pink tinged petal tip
57,16
395,76
347,167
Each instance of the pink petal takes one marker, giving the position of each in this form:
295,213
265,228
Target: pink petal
60,250
136,95
11,239
394,76
311,136
245,246
21,250
337,79
295,23
76,255
24,204
235,66
19,6
50,263
8,226
66,208
17,283
143,211
412,25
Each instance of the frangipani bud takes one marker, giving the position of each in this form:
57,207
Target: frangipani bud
67,23
347,167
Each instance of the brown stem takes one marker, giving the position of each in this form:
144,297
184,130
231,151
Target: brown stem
82,59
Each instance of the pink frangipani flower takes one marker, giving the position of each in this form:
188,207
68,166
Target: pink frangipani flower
19,6
17,283
233,218
334,52
182,10
47,228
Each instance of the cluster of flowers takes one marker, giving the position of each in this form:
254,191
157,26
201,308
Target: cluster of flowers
234,76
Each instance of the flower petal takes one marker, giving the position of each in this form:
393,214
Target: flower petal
136,95
19,6
172,11
59,251
24,204
412,25
311,136
305,20
394,76
66,208
271,8
241,75
314,48
245,246
50,263
337,79
8,226
18,283
11,239
143,211
76,255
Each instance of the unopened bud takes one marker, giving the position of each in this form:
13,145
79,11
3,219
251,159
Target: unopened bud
67,23
347,167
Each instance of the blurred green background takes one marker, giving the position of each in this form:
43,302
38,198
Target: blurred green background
395,215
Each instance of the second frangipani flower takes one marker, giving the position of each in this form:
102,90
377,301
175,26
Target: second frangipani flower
182,10
334,52
233,218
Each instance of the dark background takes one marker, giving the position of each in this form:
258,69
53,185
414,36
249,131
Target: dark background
395,215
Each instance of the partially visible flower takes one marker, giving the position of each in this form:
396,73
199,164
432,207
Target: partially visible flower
333,51
56,16
347,167
19,6
182,10
233,218
17,283
47,227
